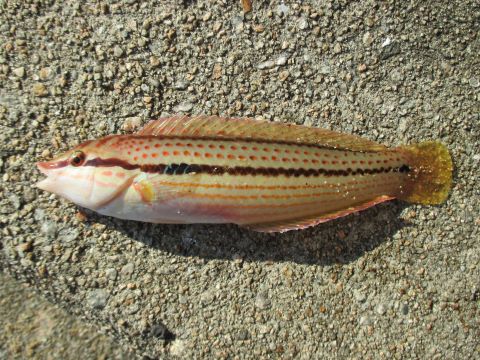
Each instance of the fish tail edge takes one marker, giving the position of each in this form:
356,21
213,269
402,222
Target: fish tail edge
431,176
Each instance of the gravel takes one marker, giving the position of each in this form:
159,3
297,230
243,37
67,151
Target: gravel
396,280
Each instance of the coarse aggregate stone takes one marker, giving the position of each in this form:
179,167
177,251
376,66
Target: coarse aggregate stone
395,281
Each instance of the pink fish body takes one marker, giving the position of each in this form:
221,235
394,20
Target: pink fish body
267,176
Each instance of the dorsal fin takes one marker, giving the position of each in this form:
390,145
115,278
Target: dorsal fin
305,222
215,126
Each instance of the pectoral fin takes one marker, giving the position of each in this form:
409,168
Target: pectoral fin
145,190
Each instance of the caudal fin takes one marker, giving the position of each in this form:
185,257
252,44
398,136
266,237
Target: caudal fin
431,174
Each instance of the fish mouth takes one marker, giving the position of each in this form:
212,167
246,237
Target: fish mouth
46,168
43,166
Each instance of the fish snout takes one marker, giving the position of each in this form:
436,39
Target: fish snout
46,166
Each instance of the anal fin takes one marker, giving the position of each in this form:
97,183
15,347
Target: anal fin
305,222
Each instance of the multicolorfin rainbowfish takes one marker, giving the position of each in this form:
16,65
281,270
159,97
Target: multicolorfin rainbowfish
270,177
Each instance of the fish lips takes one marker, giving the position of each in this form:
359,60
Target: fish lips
48,168
48,183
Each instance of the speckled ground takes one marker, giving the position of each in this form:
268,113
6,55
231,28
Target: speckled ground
394,281
32,328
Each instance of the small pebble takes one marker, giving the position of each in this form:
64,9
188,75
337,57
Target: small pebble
49,229
39,90
97,298
117,51
262,302
474,82
45,73
266,65
282,60
362,68
111,274
132,123
183,107
367,38
128,269
19,72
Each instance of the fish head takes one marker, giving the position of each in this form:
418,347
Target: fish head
91,175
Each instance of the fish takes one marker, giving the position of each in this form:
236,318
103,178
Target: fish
266,176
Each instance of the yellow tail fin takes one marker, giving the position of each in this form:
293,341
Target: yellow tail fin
432,173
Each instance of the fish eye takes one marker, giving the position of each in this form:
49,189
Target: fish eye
77,158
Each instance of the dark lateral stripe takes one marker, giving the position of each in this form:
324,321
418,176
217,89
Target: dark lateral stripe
182,168
242,139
